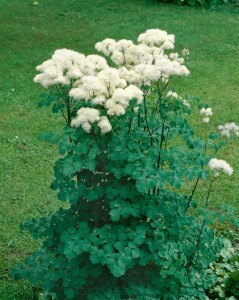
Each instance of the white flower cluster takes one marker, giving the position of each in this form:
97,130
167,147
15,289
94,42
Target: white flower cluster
228,129
86,116
108,90
146,61
206,112
218,165
157,38
93,81
66,66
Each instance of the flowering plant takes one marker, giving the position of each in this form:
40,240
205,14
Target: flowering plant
128,156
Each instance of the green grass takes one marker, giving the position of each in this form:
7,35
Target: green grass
29,35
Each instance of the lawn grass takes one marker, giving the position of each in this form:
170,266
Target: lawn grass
29,35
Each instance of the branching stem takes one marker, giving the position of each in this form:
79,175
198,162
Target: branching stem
191,196
200,232
104,181
166,140
62,112
196,249
160,147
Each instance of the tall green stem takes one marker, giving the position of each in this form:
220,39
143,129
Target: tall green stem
191,261
160,146
191,196
146,120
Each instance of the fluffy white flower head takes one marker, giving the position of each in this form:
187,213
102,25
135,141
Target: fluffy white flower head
114,109
206,120
123,96
99,63
110,79
129,75
123,45
86,116
89,87
228,129
170,67
64,66
218,166
104,125
107,46
157,37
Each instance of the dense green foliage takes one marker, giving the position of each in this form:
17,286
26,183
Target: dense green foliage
227,272
208,4
127,233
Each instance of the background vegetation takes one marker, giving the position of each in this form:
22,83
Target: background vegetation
31,31
207,4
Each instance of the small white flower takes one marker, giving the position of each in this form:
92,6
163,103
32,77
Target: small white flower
206,120
173,56
185,52
207,112
172,94
186,103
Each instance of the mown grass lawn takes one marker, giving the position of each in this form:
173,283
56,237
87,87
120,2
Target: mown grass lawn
29,35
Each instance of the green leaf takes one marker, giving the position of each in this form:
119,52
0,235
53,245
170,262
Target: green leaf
92,195
69,292
135,253
118,268
235,276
